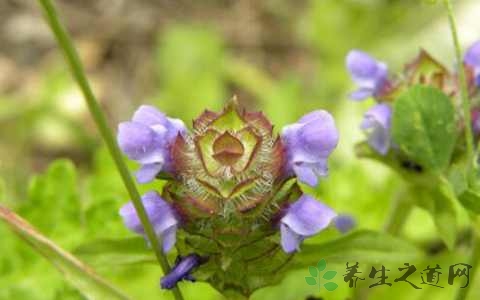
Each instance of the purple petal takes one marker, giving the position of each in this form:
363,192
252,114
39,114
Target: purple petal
304,218
361,94
149,116
344,223
309,142
369,74
148,172
139,142
160,214
376,124
182,270
290,241
472,55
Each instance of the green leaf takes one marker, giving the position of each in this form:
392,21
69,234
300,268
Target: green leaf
330,286
313,271
423,125
470,199
442,204
365,246
74,271
321,265
107,252
311,280
329,275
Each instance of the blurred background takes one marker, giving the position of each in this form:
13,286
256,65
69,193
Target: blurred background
283,57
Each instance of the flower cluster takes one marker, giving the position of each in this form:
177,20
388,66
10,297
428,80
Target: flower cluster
231,189
373,81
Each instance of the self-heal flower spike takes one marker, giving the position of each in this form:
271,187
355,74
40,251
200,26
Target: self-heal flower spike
160,213
309,143
304,218
181,271
147,139
233,181
376,123
370,75
472,60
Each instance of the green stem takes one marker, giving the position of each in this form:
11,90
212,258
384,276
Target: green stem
73,60
400,209
463,83
474,262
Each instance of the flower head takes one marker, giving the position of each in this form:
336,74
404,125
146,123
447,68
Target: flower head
370,75
181,271
147,139
376,123
160,214
304,218
472,60
309,143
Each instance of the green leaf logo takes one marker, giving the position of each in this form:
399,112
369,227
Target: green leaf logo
315,279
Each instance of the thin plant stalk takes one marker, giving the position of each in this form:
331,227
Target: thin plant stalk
78,73
463,83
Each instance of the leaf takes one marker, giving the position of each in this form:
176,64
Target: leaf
329,275
310,280
107,252
423,125
442,204
470,199
321,265
365,246
313,271
53,198
330,286
74,271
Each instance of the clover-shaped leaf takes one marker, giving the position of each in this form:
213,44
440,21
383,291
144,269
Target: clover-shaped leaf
313,271
310,280
330,286
329,275
322,264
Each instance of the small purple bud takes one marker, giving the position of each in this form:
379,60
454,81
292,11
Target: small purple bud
304,218
309,143
344,223
370,75
147,139
161,215
475,115
376,123
181,271
472,60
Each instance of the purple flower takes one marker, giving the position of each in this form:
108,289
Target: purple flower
370,75
161,215
181,271
147,139
308,143
472,59
376,123
304,218
344,223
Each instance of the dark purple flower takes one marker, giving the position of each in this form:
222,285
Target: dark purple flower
181,271
309,143
376,123
161,215
370,75
147,139
344,223
472,60
304,218
475,115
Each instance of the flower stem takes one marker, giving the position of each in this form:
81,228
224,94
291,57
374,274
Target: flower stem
474,262
463,83
78,73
